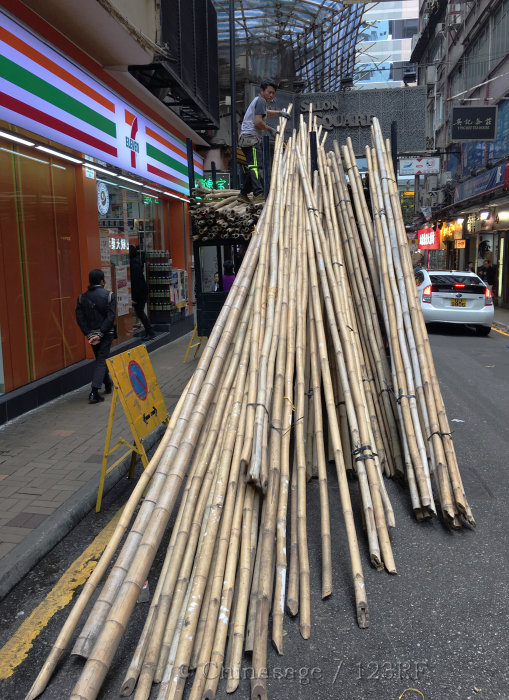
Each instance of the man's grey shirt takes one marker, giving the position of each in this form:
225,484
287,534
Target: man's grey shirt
257,106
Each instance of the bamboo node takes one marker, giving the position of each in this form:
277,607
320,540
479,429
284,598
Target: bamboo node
291,402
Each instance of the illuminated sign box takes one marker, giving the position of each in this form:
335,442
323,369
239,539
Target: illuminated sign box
43,92
429,239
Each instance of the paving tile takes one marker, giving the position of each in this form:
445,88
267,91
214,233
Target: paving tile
27,520
32,490
56,503
42,510
5,548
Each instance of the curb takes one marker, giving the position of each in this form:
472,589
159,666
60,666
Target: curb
34,547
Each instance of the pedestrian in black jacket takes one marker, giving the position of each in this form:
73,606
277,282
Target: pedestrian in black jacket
95,314
139,291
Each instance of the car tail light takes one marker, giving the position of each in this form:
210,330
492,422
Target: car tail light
488,297
426,294
459,286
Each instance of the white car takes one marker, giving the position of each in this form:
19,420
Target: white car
449,296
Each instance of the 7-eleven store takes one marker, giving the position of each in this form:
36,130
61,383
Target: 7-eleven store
86,168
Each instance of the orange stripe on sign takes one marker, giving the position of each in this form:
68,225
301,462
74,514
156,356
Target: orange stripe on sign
129,118
57,70
153,134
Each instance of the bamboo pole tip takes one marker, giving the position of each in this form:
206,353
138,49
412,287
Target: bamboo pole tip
305,631
292,607
278,646
209,694
326,592
258,690
127,687
34,692
363,615
232,685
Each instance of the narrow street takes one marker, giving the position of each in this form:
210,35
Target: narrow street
438,627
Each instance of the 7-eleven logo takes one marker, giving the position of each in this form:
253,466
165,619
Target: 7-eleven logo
130,141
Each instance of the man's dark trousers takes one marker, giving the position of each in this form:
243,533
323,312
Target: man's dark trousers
100,374
253,177
139,310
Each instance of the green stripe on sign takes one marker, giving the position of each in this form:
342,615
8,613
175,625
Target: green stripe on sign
164,158
39,87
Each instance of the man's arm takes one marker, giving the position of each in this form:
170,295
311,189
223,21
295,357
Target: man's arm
259,122
109,319
80,318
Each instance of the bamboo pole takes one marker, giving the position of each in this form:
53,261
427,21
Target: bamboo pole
246,566
322,464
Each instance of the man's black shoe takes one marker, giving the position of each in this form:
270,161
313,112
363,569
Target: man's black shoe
95,397
149,336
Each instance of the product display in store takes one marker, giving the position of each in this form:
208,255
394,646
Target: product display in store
159,282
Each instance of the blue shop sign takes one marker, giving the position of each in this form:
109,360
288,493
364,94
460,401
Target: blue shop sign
490,180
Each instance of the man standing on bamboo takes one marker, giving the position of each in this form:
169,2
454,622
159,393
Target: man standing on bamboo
250,139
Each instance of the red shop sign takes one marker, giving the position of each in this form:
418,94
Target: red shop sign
429,239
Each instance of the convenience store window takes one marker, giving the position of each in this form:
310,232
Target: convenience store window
39,266
127,216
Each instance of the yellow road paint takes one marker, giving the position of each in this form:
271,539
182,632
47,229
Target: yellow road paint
18,646
499,331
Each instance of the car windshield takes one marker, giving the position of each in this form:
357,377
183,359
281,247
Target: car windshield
467,280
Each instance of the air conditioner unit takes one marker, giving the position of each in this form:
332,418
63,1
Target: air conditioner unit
431,182
445,177
431,75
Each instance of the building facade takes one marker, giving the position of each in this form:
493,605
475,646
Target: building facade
91,162
384,44
462,50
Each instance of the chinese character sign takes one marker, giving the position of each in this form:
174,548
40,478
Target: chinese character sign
429,239
474,123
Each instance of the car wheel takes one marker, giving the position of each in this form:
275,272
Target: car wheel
482,330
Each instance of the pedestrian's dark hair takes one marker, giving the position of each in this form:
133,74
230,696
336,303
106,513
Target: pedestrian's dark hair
228,267
95,276
265,84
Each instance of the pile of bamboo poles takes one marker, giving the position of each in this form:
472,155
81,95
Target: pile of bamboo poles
220,214
323,313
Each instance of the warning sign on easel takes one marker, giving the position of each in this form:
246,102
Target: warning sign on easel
135,385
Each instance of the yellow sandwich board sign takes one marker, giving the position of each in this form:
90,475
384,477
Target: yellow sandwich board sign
135,385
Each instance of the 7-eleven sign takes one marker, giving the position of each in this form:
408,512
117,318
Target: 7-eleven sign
130,141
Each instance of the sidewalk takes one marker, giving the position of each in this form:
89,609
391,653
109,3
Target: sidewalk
50,461
501,318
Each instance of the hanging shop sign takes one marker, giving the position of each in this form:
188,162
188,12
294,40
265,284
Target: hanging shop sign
429,238
43,92
419,166
474,123
490,180
460,244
